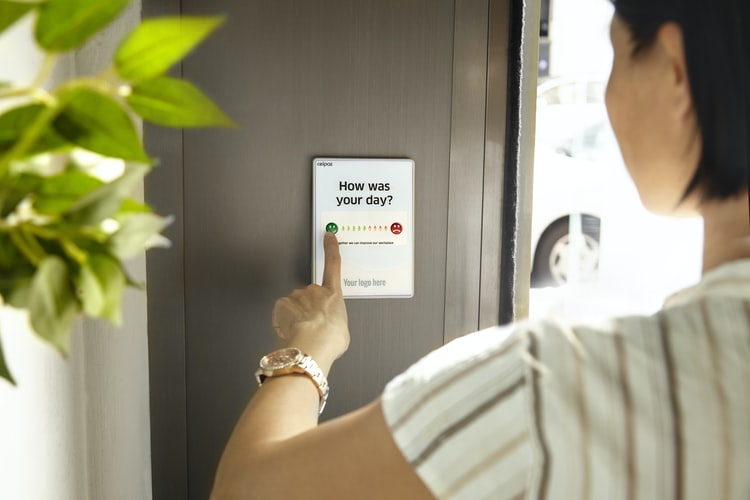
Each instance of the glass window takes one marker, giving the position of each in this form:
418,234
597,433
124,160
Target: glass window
595,249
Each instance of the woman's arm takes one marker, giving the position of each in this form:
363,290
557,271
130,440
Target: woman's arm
277,448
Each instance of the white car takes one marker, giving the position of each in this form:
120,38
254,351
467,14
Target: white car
575,157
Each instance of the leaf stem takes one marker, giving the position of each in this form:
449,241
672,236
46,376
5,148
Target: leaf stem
34,89
50,59
32,133
73,250
70,248
16,92
24,247
50,233
54,106
109,75
42,232
32,242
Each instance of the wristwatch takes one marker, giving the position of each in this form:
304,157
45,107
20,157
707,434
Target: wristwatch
292,360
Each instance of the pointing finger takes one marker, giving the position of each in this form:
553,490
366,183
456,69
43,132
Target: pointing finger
332,269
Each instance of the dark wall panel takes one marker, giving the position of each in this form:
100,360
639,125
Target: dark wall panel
423,79
338,78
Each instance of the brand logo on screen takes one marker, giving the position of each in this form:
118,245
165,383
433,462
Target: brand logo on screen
324,164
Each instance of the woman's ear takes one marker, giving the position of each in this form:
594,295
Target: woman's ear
670,41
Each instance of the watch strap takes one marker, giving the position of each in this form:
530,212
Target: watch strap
305,365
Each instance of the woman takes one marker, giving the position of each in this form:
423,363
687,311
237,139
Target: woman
640,407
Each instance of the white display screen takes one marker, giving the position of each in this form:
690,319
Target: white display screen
369,204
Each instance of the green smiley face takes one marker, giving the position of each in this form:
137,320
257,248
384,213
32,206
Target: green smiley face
331,227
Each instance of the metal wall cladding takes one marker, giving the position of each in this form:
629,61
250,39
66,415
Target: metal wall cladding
302,79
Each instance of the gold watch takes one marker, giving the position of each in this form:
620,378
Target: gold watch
291,360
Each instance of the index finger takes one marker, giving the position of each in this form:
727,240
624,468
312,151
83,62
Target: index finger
332,268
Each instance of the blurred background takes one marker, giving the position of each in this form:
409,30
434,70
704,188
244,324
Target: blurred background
596,251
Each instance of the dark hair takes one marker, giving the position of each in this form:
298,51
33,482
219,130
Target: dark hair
718,65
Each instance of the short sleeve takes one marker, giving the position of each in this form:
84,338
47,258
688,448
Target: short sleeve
460,416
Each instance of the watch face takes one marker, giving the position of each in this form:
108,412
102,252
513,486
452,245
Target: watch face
280,359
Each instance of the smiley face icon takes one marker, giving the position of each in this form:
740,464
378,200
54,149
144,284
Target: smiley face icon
397,228
331,227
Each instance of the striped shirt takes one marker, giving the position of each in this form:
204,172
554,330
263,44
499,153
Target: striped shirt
653,407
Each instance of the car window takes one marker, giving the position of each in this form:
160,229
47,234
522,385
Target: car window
593,245
556,91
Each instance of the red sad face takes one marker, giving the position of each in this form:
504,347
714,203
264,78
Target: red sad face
397,228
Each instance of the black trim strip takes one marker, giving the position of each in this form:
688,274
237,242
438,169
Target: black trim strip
509,223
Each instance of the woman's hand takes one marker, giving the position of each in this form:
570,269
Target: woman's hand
314,318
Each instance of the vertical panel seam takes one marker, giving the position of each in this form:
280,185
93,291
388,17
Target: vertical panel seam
484,156
181,69
450,166
471,322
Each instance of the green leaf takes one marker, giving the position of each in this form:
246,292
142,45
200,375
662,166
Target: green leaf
65,24
14,122
15,273
10,12
130,205
15,189
4,371
14,290
138,232
98,123
171,102
52,305
107,199
17,294
100,285
157,44
58,193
